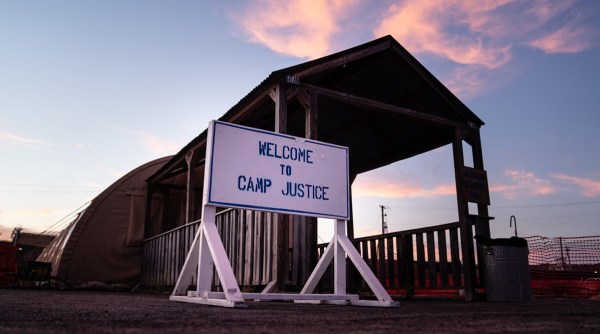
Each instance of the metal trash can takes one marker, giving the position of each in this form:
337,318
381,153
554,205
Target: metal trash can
506,270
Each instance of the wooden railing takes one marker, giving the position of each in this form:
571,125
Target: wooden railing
163,255
408,261
247,237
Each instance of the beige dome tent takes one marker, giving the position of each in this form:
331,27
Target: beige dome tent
103,243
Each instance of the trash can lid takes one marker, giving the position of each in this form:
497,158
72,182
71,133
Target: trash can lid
509,242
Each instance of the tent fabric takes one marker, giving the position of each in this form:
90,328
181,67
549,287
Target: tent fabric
103,243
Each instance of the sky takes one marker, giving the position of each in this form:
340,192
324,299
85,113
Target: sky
90,90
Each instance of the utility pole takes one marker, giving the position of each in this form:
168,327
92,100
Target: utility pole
384,227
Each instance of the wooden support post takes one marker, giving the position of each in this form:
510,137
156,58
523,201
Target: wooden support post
279,96
281,221
482,208
466,229
310,252
482,222
311,116
191,159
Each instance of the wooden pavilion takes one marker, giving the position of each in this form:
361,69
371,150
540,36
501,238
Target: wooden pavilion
376,99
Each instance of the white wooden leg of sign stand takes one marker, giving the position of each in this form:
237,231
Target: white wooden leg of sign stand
336,251
208,249
187,271
339,259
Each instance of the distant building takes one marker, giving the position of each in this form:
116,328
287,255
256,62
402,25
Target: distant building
30,245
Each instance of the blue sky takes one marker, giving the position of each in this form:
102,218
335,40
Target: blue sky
92,89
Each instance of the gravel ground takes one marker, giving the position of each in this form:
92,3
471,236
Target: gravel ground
37,311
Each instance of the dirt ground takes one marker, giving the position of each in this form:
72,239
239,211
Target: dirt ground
37,311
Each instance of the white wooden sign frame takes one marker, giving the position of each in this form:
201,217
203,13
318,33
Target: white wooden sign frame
207,250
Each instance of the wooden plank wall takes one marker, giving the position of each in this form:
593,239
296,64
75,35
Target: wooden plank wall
248,238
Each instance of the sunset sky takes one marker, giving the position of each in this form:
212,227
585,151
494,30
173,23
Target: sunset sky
89,90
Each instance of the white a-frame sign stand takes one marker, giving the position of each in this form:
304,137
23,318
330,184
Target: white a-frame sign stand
260,170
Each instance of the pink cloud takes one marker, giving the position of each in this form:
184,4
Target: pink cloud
589,187
564,40
425,27
523,184
478,36
10,140
545,10
466,81
385,188
300,28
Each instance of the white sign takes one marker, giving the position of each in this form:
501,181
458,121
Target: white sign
261,170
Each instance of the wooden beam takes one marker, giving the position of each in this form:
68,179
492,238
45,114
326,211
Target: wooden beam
391,158
178,164
382,107
342,60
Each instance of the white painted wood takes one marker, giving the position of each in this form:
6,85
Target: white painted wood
283,296
270,288
319,270
207,249
187,271
208,301
323,302
374,303
364,270
205,263
267,171
222,264
339,259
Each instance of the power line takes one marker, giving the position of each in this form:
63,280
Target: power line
50,228
544,205
564,216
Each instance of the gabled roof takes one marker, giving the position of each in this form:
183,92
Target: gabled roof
376,99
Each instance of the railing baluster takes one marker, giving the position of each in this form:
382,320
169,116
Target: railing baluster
455,256
420,261
443,258
381,260
408,264
431,263
391,267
